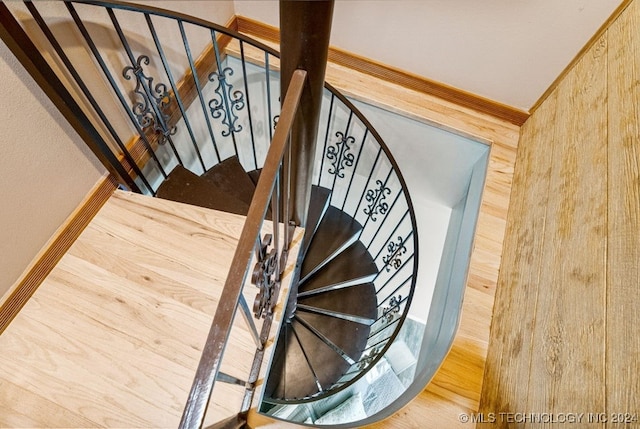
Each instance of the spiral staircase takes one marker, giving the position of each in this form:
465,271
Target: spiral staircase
205,140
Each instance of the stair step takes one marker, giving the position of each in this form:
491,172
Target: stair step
350,337
254,175
351,267
318,205
336,232
298,380
358,301
229,177
328,365
183,186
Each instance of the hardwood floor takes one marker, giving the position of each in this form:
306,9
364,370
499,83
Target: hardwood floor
114,334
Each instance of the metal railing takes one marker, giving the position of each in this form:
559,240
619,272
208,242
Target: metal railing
210,361
156,89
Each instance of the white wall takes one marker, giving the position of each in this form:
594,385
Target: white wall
506,50
45,169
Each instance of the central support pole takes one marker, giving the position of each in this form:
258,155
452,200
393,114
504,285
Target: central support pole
305,27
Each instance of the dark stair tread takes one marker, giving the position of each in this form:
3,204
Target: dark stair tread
350,337
327,364
352,266
275,382
229,176
318,205
358,301
336,231
297,380
183,186
254,175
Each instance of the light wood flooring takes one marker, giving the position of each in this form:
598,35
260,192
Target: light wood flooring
114,334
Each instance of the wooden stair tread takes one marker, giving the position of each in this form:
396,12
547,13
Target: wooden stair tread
113,336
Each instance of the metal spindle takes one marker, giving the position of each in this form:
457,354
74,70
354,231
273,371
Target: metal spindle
326,138
355,168
196,81
142,80
176,93
364,191
225,96
114,86
389,211
340,154
83,87
246,91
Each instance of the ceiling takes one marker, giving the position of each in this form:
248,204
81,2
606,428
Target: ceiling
509,51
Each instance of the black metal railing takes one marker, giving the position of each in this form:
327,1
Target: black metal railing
266,275
164,89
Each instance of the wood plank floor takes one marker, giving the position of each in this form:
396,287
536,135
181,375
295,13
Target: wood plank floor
113,336
565,332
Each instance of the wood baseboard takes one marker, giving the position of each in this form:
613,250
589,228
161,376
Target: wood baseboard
408,80
55,248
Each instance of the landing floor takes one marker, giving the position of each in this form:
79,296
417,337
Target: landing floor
114,334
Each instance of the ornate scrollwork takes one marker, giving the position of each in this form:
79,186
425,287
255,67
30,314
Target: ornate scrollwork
390,311
151,102
367,358
394,259
340,154
264,277
376,198
226,102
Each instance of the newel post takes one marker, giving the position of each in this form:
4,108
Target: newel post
305,27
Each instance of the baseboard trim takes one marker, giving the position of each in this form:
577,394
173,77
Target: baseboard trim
408,80
55,248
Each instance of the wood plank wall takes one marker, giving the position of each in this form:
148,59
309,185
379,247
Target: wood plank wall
565,336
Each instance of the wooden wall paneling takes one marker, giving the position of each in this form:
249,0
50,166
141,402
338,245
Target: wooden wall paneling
567,365
509,356
623,262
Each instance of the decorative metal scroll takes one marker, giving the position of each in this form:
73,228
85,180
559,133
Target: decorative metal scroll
226,102
394,259
393,309
152,102
376,198
340,154
265,278
368,358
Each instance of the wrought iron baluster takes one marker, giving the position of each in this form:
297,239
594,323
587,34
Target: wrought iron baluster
268,83
85,90
366,185
227,100
355,168
383,223
176,93
326,138
152,100
340,154
393,233
114,85
196,80
246,91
